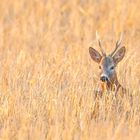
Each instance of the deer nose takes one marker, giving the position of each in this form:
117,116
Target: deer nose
104,78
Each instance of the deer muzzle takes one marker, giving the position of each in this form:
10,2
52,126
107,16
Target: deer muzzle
104,78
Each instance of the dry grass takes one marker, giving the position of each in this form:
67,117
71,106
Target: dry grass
47,77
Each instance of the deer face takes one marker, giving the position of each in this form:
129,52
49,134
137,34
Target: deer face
107,69
107,64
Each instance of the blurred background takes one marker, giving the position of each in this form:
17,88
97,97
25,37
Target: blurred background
47,77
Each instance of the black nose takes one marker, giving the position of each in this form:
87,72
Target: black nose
104,79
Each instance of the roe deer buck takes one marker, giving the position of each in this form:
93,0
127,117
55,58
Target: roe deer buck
107,65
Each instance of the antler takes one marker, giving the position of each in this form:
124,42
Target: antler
98,38
118,43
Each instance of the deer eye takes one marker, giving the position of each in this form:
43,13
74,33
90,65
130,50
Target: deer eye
112,68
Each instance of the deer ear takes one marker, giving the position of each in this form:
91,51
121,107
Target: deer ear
95,55
119,55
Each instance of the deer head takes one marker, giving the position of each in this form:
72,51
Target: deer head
108,63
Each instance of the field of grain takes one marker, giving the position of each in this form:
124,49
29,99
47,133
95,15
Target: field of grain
47,77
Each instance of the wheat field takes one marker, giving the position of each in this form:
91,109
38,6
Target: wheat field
47,77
